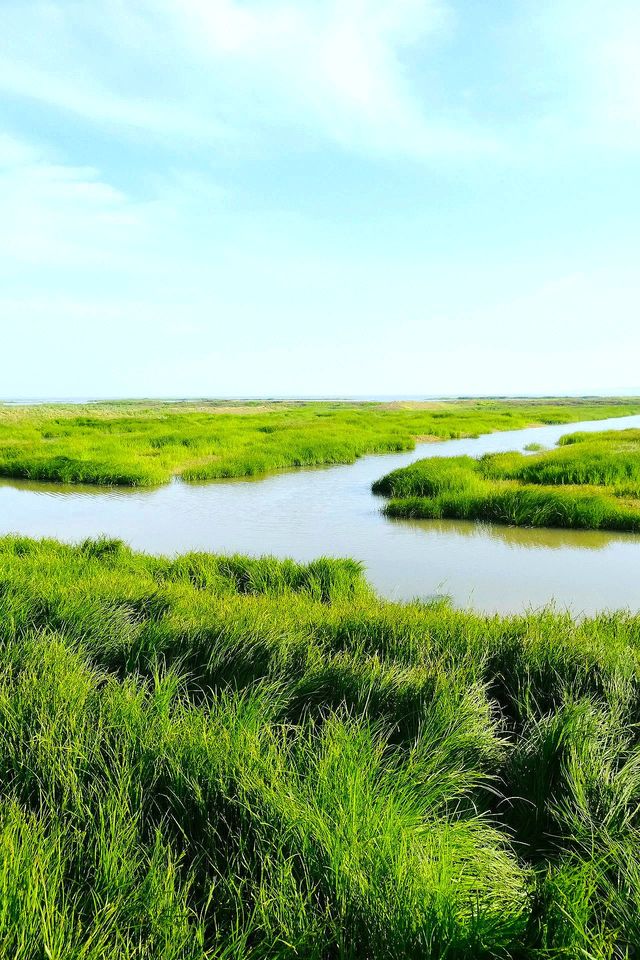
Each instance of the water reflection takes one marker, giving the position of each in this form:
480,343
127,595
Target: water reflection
522,537
73,490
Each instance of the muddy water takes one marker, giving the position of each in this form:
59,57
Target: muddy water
307,513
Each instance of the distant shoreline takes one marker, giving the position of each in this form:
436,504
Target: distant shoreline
315,398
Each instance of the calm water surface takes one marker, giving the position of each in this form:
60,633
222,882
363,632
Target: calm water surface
306,513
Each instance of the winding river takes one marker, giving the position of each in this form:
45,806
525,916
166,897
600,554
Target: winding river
331,510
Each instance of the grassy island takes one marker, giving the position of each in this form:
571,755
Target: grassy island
591,481
221,757
146,443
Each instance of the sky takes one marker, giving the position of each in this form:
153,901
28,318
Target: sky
319,197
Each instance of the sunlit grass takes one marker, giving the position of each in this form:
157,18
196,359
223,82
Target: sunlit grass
209,757
592,481
148,443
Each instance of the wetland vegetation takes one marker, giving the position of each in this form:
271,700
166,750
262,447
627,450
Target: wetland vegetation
224,757
591,481
146,443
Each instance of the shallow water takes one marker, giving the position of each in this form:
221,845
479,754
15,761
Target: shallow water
331,510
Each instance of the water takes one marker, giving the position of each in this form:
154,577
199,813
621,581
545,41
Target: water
307,513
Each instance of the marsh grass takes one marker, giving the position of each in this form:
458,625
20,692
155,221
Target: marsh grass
143,444
591,481
225,757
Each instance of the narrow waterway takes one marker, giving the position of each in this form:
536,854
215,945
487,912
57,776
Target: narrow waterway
308,513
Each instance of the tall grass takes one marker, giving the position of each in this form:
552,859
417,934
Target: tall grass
592,481
523,507
147,443
224,757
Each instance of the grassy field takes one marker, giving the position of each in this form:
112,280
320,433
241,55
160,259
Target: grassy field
148,443
212,757
591,481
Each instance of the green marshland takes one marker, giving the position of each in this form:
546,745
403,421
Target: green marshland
592,481
231,757
142,444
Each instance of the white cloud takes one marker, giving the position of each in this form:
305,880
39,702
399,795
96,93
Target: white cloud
221,68
612,68
584,56
339,61
83,250
58,214
351,72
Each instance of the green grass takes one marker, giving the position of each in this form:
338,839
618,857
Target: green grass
214,757
146,443
591,481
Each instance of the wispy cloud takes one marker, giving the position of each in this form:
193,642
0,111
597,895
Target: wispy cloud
355,73
580,57
212,167
58,214
608,68
207,69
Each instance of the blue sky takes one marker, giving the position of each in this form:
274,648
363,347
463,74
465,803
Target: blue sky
296,197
